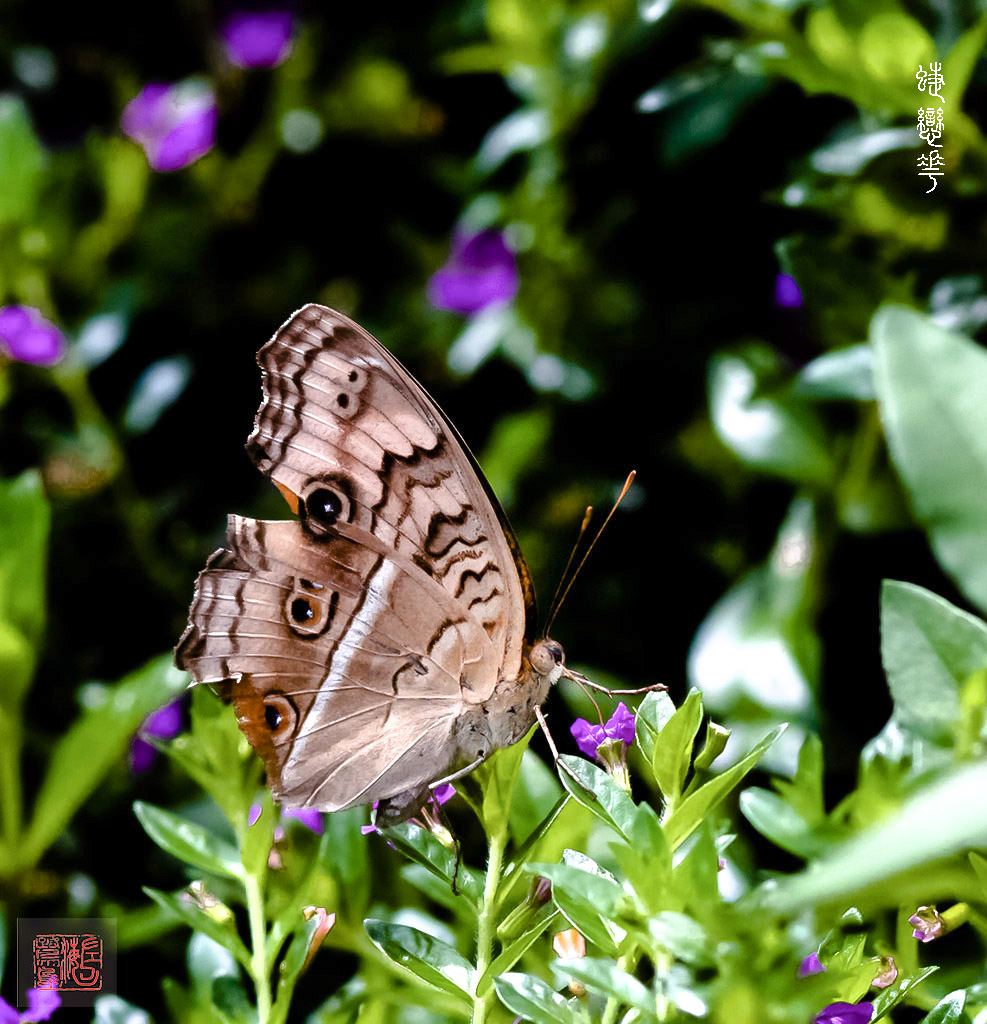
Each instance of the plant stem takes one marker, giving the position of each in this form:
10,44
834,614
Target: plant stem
10,786
487,922
626,963
255,912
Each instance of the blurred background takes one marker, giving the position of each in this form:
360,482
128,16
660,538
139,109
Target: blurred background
604,235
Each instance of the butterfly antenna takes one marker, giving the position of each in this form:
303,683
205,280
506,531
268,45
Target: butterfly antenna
572,554
592,544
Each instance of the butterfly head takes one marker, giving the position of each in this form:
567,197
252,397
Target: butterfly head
548,660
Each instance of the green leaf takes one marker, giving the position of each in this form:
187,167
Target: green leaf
537,791
439,890
957,68
189,842
344,855
957,807
588,896
929,648
779,822
977,862
498,776
24,523
93,745
770,432
114,1010
645,859
596,791
605,978
682,936
512,951
650,718
687,816
208,960
582,875
696,875
22,164
948,1010
227,996
894,994
931,386
846,373
804,791
532,1000
424,848
425,956
672,752
260,836
222,931
512,873
758,644
891,44
291,965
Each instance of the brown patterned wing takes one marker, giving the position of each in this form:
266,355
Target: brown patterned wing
349,436
319,644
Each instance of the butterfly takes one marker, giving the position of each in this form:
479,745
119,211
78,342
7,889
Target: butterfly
385,639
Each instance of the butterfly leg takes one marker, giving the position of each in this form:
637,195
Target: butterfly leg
456,775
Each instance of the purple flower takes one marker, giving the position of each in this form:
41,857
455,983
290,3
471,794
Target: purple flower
481,271
928,924
443,794
258,39
41,1004
888,973
620,726
845,1013
175,124
309,817
788,295
165,723
811,965
26,335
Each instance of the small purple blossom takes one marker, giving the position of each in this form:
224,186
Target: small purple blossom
175,124
811,965
27,336
258,39
888,973
309,817
788,295
589,737
845,1013
928,924
481,271
164,724
41,1004
443,794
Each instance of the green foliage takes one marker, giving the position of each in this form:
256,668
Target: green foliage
840,440
926,375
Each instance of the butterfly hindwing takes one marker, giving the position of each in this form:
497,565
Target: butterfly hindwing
317,643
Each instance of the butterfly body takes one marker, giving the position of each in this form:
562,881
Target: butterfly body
383,639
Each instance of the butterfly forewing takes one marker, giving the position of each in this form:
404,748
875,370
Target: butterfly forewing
355,640
342,417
